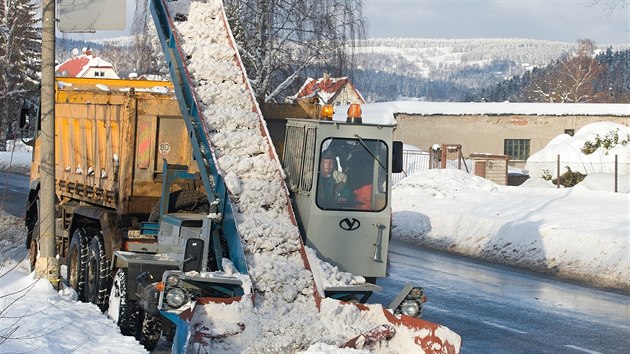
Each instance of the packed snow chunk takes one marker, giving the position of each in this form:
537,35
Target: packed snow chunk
255,167
262,196
214,70
281,275
271,234
233,183
327,275
241,143
230,118
201,12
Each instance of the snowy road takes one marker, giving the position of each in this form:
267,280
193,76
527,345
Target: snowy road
498,310
13,193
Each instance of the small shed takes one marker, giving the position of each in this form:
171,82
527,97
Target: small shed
491,167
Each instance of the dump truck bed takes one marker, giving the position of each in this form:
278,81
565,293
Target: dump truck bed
110,138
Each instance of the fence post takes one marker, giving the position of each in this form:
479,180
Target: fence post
558,172
616,175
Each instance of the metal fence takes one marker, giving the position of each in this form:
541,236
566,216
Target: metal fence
611,171
413,161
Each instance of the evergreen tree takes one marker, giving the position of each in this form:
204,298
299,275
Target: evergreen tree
20,62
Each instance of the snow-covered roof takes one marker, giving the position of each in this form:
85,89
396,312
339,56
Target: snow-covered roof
326,88
77,66
384,112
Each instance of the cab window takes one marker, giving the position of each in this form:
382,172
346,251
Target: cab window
352,175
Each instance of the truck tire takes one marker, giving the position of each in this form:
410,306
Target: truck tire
77,262
97,272
32,229
120,309
149,330
183,200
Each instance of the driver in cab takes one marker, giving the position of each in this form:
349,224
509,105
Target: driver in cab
331,182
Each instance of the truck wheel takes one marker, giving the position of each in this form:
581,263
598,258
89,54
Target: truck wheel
183,200
120,309
32,229
77,262
149,331
97,272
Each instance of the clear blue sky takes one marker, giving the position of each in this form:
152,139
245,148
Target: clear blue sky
557,20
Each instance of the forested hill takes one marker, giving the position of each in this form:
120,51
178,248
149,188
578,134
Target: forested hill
449,69
390,69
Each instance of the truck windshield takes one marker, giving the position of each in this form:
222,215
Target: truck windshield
352,175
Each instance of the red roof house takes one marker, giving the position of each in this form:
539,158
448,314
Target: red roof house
327,90
86,65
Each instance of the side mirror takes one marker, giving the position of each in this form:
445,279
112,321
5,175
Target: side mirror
397,160
24,115
193,254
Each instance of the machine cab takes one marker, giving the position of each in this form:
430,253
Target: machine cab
339,175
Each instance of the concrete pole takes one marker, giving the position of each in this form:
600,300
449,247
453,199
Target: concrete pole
47,265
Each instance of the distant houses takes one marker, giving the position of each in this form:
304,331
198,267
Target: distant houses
327,90
86,64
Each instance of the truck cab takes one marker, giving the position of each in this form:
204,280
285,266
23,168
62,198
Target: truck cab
339,175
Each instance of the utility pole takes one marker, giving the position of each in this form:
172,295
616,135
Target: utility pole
47,265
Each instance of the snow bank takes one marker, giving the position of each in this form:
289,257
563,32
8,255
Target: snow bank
35,318
569,148
575,233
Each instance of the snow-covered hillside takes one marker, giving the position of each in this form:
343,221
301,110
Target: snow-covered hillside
431,58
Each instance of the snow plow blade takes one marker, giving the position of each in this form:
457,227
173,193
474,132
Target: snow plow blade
191,332
194,333
421,336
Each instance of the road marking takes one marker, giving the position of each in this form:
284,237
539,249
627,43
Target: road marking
504,327
582,349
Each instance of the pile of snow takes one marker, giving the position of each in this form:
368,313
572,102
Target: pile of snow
601,161
577,233
34,318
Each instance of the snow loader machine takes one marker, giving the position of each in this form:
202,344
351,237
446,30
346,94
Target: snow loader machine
149,231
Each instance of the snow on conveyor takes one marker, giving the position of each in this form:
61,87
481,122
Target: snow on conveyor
283,316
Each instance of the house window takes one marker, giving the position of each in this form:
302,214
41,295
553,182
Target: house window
99,73
569,131
517,149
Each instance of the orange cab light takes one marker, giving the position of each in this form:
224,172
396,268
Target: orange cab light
354,114
159,286
327,112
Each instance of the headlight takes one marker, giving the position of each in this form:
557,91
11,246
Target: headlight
410,308
172,280
409,301
176,297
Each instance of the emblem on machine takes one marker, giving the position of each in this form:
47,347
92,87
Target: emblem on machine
349,225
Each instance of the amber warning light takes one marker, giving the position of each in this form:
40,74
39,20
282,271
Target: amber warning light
354,114
327,112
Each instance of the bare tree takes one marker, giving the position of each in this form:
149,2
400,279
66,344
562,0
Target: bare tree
20,45
279,39
571,79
